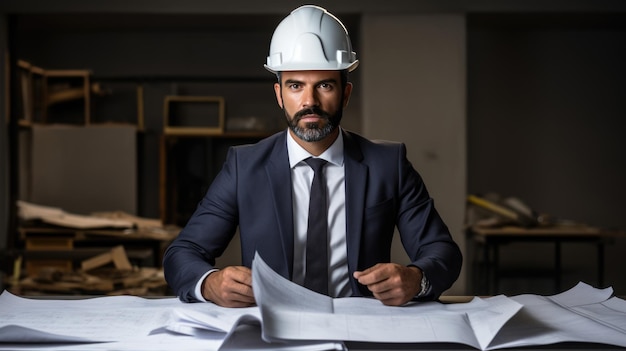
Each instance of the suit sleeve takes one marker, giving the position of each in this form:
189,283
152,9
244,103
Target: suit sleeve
424,235
205,236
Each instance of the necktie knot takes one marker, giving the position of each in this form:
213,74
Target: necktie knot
316,163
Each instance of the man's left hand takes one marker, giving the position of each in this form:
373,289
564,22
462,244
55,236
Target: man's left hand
391,283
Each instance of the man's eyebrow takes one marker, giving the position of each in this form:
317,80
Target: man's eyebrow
295,81
292,81
329,80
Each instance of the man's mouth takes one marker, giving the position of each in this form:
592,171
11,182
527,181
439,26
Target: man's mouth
311,118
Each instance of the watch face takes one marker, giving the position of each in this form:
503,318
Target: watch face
423,286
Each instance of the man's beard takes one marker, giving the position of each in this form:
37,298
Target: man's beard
314,131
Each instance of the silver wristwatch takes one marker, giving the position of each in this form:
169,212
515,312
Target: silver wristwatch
424,285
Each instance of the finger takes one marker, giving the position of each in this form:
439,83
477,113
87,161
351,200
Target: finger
389,295
380,287
242,275
368,270
230,287
372,275
240,284
234,295
242,292
240,300
392,301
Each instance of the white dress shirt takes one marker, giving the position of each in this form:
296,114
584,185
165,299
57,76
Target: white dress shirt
301,179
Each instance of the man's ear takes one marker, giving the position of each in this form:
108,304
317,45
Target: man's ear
347,92
279,95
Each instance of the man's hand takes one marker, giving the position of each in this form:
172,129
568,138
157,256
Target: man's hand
391,283
229,287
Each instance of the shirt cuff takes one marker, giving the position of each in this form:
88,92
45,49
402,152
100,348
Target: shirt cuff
198,290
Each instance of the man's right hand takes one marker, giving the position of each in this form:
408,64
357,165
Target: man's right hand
229,287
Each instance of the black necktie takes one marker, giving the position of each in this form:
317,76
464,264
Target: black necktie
316,276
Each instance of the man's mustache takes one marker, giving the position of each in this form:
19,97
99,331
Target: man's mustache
311,111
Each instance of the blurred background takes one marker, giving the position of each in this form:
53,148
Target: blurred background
130,106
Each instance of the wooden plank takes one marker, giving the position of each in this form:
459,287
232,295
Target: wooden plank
48,243
120,259
116,255
96,261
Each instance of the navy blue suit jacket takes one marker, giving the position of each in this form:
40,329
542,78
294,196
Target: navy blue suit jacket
253,191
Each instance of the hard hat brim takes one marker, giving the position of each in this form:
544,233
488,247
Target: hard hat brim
313,67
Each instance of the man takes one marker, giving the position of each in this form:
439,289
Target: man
264,190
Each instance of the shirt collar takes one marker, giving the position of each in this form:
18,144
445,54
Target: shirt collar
334,154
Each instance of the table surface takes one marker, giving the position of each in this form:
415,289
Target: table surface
547,230
368,346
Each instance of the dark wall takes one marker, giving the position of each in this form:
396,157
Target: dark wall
546,112
546,108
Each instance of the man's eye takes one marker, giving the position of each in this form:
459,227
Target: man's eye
294,86
325,86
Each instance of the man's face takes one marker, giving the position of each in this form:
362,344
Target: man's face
313,102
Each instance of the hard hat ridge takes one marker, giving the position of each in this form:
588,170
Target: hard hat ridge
310,38
309,48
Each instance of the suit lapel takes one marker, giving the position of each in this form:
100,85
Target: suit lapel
356,180
279,175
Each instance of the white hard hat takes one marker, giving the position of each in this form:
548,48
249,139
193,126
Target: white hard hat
310,38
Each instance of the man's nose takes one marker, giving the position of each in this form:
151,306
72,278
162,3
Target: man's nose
309,98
